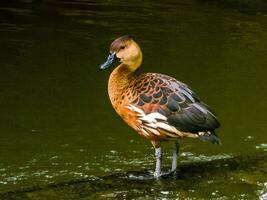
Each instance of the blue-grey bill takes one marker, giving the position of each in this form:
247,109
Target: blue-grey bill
111,60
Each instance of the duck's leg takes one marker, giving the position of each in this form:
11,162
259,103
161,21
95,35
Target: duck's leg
158,155
175,153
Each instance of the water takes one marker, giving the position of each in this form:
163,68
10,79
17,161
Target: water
56,121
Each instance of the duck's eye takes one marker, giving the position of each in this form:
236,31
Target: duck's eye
122,47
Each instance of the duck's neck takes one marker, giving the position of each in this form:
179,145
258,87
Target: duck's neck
119,80
122,76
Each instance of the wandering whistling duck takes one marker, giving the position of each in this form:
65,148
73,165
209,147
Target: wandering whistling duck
156,106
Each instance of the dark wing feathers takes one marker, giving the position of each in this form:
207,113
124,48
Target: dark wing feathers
176,101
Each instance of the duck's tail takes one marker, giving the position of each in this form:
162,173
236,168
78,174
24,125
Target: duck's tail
209,136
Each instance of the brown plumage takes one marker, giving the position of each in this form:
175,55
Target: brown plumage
157,106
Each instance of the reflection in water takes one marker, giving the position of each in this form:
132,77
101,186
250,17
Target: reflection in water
56,121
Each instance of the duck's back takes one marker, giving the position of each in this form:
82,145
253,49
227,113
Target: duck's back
167,108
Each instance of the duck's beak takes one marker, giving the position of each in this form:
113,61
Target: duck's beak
111,60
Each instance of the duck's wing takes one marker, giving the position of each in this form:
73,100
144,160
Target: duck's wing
166,100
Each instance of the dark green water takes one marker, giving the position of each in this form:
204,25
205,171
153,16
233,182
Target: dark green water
56,121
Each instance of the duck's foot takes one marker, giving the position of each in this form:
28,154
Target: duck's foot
157,174
164,174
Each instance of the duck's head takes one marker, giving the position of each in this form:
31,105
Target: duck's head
124,51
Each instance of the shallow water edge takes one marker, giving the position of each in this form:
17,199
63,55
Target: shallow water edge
246,172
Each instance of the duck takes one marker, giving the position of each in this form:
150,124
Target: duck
158,107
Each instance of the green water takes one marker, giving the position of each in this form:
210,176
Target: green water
56,121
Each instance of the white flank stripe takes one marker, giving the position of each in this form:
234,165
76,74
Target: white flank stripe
135,109
157,115
166,127
154,131
152,117
139,121
145,132
151,125
153,122
148,119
